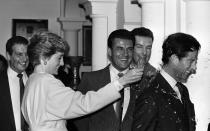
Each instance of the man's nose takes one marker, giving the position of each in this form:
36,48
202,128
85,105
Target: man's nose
194,68
61,63
126,52
24,57
144,51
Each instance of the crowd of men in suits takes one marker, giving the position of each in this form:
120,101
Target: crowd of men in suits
161,104
158,102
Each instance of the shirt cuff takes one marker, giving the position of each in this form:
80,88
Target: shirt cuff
117,85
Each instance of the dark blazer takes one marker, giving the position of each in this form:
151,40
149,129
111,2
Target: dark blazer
157,109
6,112
147,77
104,119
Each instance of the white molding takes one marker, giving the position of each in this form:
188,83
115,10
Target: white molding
194,0
151,1
71,19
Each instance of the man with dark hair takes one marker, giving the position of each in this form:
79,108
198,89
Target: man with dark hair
165,105
12,85
142,51
111,117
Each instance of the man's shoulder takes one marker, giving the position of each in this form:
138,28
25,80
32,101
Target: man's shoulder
94,80
149,68
96,73
158,86
148,77
4,82
3,75
153,85
150,72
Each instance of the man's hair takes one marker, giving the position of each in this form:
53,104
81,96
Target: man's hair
142,31
179,44
45,44
122,34
13,41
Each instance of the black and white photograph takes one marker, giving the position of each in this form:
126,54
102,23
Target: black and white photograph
104,65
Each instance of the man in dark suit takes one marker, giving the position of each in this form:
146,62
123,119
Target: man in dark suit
165,105
3,63
120,53
10,90
142,52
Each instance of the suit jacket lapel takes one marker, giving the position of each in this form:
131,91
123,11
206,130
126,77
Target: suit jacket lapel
101,77
106,74
107,79
189,106
131,104
175,104
169,94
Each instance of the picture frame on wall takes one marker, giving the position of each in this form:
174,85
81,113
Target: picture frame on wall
26,27
87,45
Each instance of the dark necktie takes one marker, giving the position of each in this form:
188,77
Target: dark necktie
23,122
180,87
21,86
184,104
119,103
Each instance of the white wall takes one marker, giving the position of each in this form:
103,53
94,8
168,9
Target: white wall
197,24
132,15
26,9
189,16
74,12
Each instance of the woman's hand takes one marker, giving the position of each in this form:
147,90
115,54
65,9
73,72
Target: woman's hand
131,76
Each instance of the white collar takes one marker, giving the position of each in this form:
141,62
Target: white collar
168,78
13,73
115,71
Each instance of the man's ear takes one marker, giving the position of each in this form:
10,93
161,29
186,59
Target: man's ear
8,56
174,59
109,52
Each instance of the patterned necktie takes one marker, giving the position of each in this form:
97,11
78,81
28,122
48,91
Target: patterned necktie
23,122
119,103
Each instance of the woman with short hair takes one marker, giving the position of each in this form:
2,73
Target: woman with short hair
47,103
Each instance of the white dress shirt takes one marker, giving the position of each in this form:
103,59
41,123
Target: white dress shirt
47,103
15,95
172,82
114,76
